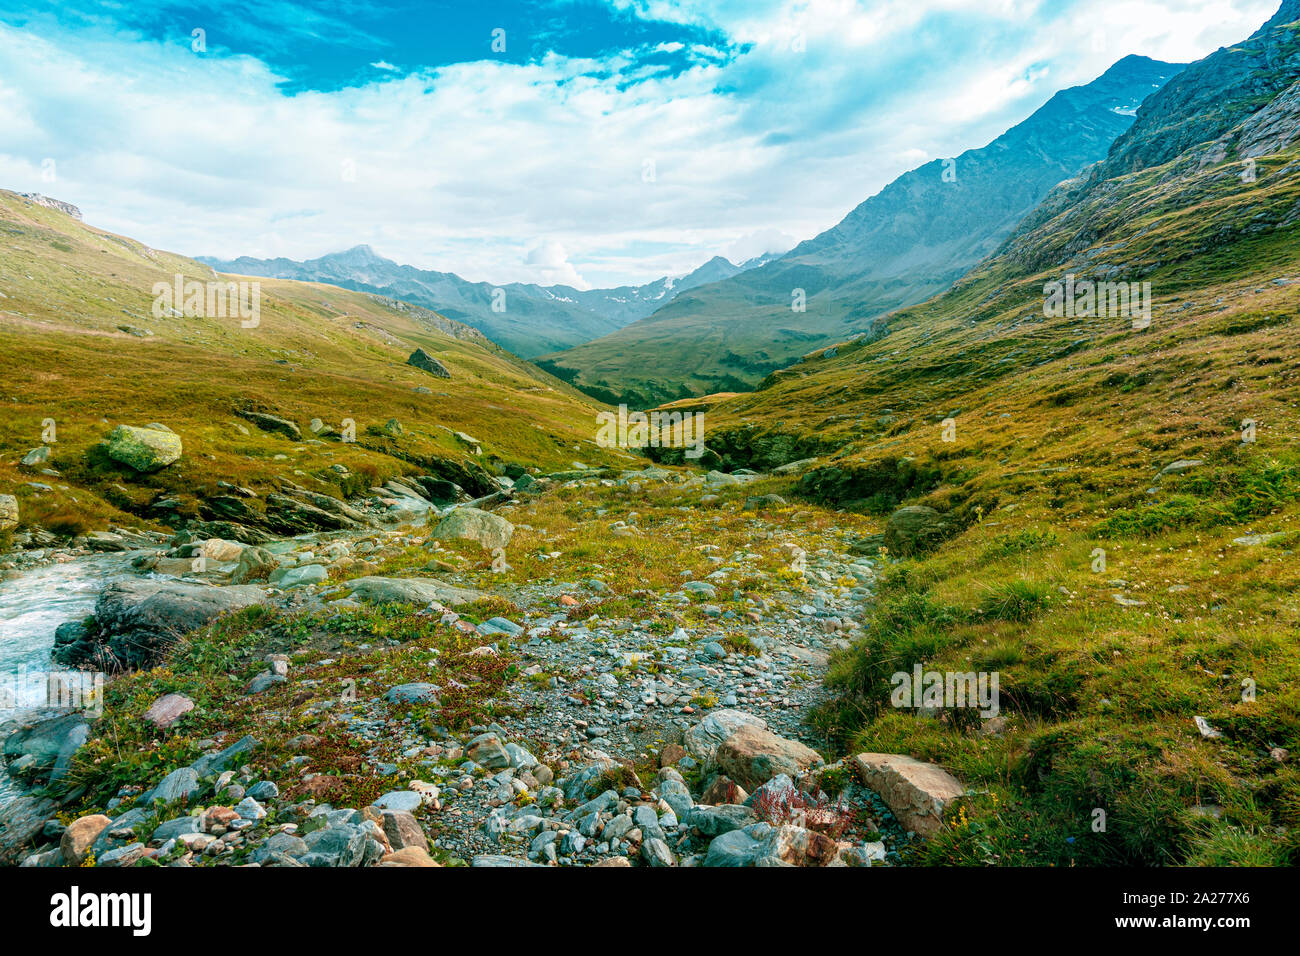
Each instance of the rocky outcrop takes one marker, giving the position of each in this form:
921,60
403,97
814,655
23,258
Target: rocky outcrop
135,621
291,516
703,740
143,449
273,423
58,205
427,363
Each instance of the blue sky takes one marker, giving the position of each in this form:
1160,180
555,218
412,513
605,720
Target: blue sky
598,142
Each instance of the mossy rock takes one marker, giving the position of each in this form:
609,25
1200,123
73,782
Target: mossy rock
143,449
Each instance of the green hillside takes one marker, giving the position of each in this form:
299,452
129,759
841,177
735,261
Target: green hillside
1064,431
86,350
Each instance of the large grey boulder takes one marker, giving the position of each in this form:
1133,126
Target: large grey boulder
47,744
470,524
703,740
136,621
420,591
761,844
343,845
180,784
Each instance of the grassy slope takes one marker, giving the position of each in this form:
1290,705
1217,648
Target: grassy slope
66,290
1062,426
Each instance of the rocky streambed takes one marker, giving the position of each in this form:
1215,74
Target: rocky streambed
619,741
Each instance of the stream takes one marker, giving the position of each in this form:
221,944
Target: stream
32,606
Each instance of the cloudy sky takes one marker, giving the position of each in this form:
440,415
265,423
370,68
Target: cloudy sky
587,142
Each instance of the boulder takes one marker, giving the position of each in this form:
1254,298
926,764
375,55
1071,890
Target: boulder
427,363
763,845
488,751
702,740
218,549
168,709
80,835
407,856
420,692
136,621
723,790
403,830
255,564
752,756
342,845
288,578
222,760
181,784
470,524
715,821
143,449
47,742
37,457
916,792
421,591
915,529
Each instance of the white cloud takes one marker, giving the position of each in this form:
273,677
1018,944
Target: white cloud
506,172
758,243
553,267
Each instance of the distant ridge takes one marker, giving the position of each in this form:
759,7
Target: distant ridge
529,320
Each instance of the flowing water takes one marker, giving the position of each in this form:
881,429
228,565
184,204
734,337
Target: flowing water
32,606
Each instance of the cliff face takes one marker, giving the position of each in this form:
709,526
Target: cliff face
1211,96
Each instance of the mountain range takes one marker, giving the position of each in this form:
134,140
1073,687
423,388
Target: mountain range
907,243
525,318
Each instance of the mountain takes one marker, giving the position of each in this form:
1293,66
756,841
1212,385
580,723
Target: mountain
1102,511
902,246
529,320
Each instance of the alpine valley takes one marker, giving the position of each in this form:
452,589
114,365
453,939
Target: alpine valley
357,578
